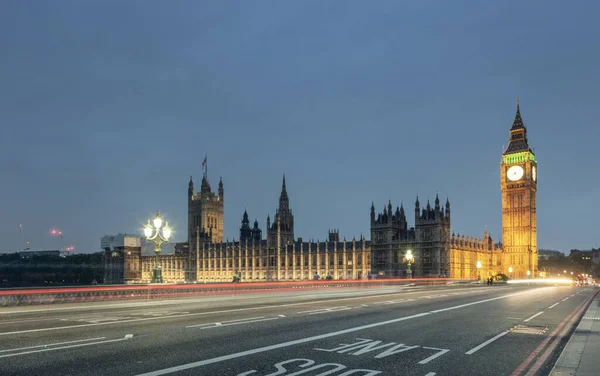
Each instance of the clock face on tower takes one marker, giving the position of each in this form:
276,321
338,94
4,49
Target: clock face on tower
515,173
534,173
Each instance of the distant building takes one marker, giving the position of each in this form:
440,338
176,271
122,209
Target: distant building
131,259
547,254
122,258
587,254
31,253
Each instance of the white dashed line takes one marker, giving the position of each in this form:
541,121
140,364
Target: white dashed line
533,317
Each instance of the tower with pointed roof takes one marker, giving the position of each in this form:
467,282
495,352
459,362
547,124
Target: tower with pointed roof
283,222
205,210
518,184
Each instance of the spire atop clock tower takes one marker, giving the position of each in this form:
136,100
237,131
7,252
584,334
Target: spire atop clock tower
518,134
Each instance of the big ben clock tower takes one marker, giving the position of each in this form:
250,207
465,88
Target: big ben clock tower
518,177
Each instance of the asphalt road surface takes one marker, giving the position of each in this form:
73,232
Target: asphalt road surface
421,331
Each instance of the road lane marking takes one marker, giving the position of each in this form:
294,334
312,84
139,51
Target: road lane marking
329,310
430,374
241,354
325,310
565,299
438,354
228,321
53,344
65,347
219,324
203,313
279,346
484,344
473,303
553,305
533,317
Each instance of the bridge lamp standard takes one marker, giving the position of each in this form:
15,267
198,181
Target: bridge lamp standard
479,270
153,232
409,259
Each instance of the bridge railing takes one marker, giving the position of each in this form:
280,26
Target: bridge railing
53,295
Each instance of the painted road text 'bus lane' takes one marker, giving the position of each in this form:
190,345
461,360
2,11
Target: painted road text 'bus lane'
368,352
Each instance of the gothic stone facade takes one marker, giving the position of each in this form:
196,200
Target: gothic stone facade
438,252
518,183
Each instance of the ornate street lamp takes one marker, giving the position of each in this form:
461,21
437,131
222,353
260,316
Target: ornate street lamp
152,231
409,258
479,270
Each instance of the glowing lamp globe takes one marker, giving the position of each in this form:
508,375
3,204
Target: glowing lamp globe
166,231
157,221
148,229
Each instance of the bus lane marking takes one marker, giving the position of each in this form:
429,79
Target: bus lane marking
364,346
299,341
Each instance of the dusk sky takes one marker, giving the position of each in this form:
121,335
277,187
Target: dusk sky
108,107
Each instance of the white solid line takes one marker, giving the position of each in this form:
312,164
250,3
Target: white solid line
63,347
194,314
469,304
430,374
53,344
238,323
565,299
330,310
533,317
281,315
278,346
224,322
485,343
307,339
321,309
553,305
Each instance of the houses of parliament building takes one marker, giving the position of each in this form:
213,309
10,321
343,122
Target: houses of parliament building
280,256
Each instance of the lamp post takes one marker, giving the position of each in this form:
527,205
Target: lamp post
479,270
409,258
152,231
529,274
510,270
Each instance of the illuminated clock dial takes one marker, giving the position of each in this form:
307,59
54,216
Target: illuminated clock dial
534,173
515,173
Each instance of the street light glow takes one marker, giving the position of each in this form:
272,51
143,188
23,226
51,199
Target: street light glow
157,221
510,269
478,264
148,229
154,234
409,255
166,231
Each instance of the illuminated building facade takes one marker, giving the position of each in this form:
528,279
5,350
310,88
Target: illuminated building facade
438,252
518,183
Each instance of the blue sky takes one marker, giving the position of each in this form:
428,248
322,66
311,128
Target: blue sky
107,108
